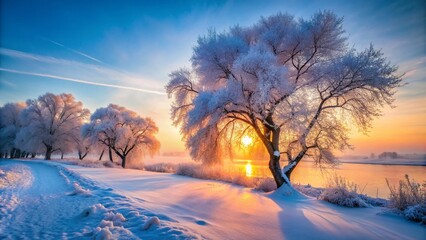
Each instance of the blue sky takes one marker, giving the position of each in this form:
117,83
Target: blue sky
136,44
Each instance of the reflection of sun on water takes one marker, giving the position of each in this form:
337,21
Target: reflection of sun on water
246,140
249,170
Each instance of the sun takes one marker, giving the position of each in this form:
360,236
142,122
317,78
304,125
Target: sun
246,140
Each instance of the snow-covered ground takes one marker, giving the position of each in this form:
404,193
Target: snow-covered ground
39,200
48,200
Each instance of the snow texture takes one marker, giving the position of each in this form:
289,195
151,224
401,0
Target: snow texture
93,211
151,221
78,190
217,210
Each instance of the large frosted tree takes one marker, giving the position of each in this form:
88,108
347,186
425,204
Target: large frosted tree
294,84
50,123
122,131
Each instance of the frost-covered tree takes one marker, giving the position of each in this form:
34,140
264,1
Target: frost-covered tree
123,131
50,122
9,127
292,83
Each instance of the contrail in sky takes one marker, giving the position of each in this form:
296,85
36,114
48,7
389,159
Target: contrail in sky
82,81
75,51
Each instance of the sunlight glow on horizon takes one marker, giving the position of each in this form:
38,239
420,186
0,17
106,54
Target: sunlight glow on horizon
249,169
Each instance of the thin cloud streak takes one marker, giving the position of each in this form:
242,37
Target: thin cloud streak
81,81
41,58
75,51
108,72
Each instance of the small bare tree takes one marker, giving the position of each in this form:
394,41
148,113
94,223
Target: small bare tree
293,84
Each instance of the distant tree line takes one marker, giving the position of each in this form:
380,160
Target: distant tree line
391,155
58,124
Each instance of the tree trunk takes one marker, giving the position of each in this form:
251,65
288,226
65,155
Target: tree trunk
123,161
17,153
12,153
274,167
27,155
122,156
274,156
62,155
110,154
49,150
102,154
81,156
33,155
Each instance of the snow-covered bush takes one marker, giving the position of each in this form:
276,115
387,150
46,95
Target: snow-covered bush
110,164
408,193
342,192
409,198
376,202
316,192
161,167
89,163
416,213
266,185
214,172
187,169
308,190
243,180
342,197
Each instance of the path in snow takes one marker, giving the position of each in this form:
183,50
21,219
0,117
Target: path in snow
46,201
39,193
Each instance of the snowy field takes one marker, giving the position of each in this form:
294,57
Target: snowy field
47,200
